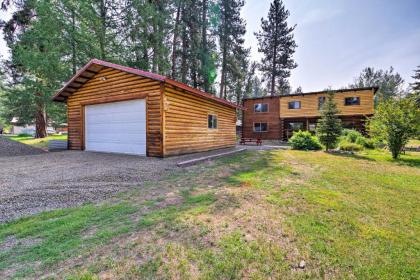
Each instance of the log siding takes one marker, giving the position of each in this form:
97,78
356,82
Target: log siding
309,104
186,123
110,85
279,115
176,114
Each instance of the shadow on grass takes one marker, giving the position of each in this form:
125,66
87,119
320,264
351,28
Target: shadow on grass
254,170
352,156
404,160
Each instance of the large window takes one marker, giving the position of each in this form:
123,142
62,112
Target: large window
321,101
349,101
295,126
212,121
260,107
294,105
260,127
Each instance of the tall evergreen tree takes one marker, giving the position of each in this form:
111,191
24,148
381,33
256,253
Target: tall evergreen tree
193,43
231,31
328,128
416,85
276,42
36,66
389,82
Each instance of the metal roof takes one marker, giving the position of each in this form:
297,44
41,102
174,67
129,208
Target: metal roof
88,71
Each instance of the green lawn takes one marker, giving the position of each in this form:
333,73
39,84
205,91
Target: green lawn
37,142
255,215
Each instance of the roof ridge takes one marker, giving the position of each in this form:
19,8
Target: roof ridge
143,73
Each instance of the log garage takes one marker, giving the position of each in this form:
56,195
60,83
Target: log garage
113,108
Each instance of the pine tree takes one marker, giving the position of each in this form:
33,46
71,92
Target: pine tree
415,87
416,77
230,32
36,64
329,127
276,42
389,82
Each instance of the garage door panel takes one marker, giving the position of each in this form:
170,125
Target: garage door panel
122,148
119,117
111,127
118,127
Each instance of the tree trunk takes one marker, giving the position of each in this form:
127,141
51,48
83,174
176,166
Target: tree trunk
194,47
204,55
223,72
184,54
174,40
273,71
40,122
103,29
73,43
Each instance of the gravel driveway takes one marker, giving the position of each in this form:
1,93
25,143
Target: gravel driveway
10,148
34,183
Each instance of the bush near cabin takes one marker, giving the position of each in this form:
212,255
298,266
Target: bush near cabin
395,122
304,140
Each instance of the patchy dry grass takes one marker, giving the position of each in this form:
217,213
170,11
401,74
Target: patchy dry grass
256,215
37,142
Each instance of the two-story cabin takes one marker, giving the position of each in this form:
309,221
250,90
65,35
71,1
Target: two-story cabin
277,117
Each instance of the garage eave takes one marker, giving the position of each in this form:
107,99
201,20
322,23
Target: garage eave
95,65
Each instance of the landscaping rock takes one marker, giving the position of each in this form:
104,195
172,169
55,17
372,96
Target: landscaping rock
302,264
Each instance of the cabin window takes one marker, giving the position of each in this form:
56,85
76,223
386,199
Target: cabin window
349,101
261,107
294,105
212,121
312,127
295,126
260,127
321,101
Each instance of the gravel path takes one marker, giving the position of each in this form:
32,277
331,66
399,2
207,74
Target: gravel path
34,183
31,184
39,181
10,148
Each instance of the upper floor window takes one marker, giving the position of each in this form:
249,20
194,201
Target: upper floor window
321,101
348,101
294,105
260,107
212,121
260,127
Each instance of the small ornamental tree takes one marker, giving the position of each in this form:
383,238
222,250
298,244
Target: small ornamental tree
395,122
329,127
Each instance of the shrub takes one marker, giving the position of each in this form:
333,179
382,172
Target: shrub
353,135
24,135
346,131
350,147
366,142
395,122
304,140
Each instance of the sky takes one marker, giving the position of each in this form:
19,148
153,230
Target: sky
338,38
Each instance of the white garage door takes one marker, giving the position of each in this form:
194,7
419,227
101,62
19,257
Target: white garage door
118,127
